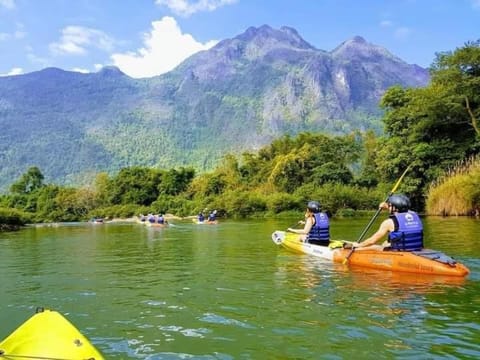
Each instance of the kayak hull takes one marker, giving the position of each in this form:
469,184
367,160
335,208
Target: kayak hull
48,335
398,261
157,225
205,222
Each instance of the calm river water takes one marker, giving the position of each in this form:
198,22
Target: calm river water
227,291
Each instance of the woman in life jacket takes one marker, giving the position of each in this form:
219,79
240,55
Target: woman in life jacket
317,226
403,228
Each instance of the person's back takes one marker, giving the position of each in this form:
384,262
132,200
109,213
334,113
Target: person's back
320,232
212,216
317,226
408,232
403,228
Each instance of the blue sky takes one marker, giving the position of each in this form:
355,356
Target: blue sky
148,37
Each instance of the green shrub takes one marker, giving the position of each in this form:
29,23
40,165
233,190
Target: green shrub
280,202
335,197
13,217
237,203
456,193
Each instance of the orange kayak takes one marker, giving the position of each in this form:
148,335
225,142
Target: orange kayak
425,262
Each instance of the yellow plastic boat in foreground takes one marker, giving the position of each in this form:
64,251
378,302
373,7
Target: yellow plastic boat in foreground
48,335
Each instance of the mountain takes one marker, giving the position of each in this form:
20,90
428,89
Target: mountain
237,96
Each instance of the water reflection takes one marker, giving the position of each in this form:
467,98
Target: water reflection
226,292
398,312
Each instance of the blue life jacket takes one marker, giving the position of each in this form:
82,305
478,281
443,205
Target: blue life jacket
320,232
201,217
212,217
408,233
160,220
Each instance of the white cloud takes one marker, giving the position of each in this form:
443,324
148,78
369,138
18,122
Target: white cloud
188,7
14,71
402,33
20,32
76,40
81,70
17,34
9,4
164,48
386,23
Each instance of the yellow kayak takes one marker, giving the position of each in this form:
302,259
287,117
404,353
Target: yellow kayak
48,335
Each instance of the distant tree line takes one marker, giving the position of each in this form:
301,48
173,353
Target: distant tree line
431,129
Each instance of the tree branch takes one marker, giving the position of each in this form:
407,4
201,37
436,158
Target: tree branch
472,116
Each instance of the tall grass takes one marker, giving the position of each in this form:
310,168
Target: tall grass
457,192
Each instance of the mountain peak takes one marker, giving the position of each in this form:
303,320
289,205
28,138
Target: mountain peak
358,47
358,40
111,71
285,36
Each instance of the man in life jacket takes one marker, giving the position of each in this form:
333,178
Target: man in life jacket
317,226
404,228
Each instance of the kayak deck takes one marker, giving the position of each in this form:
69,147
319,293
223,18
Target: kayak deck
425,262
48,335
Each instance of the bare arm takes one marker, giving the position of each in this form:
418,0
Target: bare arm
383,230
305,230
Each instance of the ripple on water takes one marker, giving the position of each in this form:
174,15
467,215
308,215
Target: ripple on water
218,319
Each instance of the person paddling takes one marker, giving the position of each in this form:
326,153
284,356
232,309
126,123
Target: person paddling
403,227
213,216
317,226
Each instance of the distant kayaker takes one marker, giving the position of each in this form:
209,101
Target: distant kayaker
201,217
213,216
404,227
317,226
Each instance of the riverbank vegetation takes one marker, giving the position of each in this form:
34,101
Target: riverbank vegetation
429,129
457,192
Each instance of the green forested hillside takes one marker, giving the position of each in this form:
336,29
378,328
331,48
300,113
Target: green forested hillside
238,96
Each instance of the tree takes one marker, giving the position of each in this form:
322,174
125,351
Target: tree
434,127
173,182
369,176
134,185
28,182
459,72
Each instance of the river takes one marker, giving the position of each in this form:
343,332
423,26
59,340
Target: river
227,291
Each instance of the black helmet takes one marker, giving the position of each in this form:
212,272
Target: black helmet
400,201
314,206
